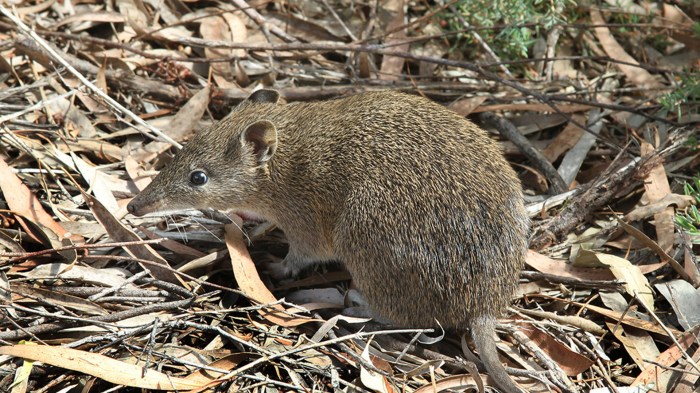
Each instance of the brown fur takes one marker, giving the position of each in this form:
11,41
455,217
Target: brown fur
416,201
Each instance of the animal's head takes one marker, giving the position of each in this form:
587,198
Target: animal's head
221,167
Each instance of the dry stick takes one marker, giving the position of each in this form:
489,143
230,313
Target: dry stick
367,364
12,322
178,324
175,271
114,289
578,322
339,20
418,20
372,19
370,48
552,39
155,88
205,283
507,129
38,105
598,194
654,246
18,256
96,90
669,368
410,40
613,285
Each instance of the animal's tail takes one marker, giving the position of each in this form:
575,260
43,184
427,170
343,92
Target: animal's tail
483,331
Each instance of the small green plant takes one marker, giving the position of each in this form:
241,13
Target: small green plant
685,99
689,220
520,18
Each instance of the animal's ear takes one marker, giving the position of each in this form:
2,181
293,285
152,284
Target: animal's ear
267,96
263,136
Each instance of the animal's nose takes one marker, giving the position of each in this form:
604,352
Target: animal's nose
130,208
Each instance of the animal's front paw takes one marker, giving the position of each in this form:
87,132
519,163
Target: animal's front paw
280,270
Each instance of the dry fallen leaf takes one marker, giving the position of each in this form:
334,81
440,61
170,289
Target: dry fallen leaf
622,269
392,65
657,188
642,212
666,359
135,15
100,366
100,182
565,140
228,363
120,233
573,363
373,380
467,105
107,277
249,281
560,268
23,202
638,343
684,299
216,28
637,75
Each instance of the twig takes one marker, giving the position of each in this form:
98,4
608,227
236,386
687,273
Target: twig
481,41
180,324
253,14
114,289
18,256
117,78
337,18
507,129
614,285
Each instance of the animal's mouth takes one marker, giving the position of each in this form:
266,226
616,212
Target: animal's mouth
139,207
249,215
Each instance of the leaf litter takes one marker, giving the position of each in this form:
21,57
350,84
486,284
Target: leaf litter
92,298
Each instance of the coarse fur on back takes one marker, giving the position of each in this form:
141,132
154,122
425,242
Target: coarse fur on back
415,200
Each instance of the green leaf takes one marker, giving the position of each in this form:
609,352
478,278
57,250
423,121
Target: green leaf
694,214
684,223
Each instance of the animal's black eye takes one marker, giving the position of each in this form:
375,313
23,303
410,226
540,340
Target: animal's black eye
198,178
